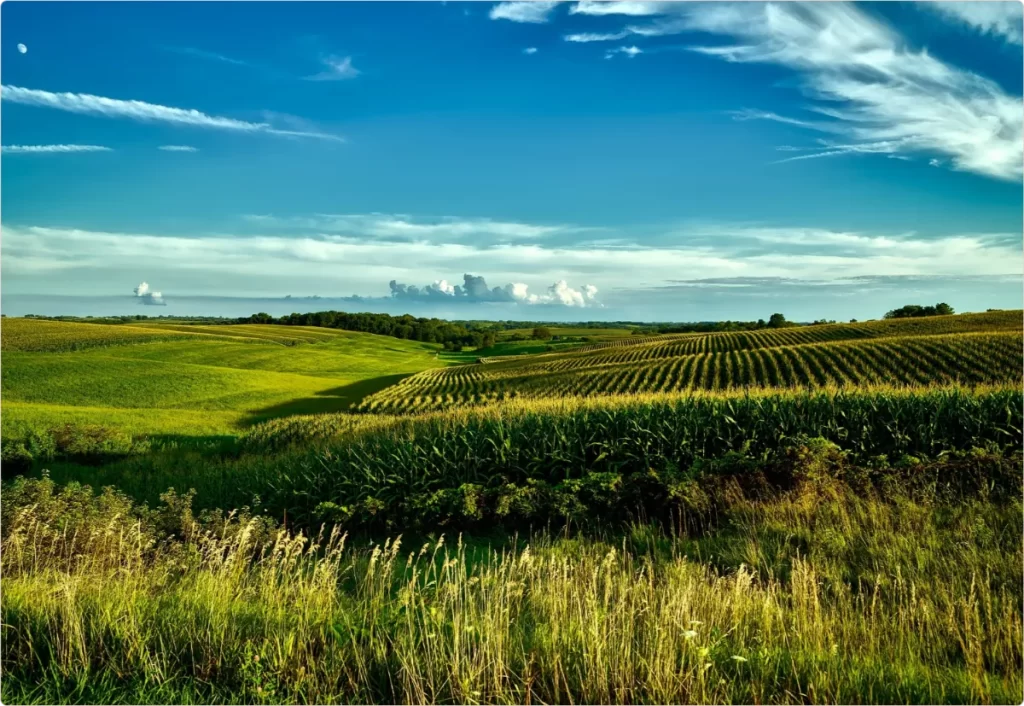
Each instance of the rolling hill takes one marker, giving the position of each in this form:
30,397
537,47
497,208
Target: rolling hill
966,349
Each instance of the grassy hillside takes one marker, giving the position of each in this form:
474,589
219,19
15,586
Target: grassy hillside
37,335
159,379
968,349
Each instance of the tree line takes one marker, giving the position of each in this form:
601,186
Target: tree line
774,321
453,336
913,311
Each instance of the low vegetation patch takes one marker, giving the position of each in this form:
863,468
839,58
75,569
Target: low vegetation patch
819,599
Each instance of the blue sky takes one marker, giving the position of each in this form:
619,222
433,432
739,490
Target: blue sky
639,160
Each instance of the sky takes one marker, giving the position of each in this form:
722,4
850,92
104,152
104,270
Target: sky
620,160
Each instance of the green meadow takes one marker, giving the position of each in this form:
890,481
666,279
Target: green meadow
165,378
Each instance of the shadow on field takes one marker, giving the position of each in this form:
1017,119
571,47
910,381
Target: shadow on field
337,399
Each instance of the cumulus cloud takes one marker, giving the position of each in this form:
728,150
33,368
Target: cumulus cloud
531,11
336,68
22,49
52,149
178,148
145,295
1001,19
474,289
872,89
141,111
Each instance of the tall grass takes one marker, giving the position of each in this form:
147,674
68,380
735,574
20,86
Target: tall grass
816,596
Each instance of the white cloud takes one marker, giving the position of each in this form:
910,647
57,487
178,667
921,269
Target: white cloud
530,50
585,37
631,52
337,69
52,149
22,49
530,11
145,295
342,265
619,7
1003,19
474,289
385,225
213,56
178,148
141,111
879,95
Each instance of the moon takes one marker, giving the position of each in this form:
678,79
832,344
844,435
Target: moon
23,49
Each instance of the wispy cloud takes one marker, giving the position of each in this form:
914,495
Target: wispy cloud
52,149
631,52
262,262
584,37
178,148
619,7
410,228
530,50
1001,19
860,73
531,11
211,56
336,68
141,111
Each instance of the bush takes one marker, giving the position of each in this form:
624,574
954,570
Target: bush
83,444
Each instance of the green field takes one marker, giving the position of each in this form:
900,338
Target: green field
160,379
825,513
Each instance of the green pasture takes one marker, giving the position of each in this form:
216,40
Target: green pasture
136,379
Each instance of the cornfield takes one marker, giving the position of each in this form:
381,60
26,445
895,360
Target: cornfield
846,356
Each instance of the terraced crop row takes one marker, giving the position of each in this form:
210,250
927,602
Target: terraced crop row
970,359
637,349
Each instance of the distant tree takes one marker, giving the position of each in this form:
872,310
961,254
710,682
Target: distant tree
913,311
542,333
777,321
853,321
488,341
